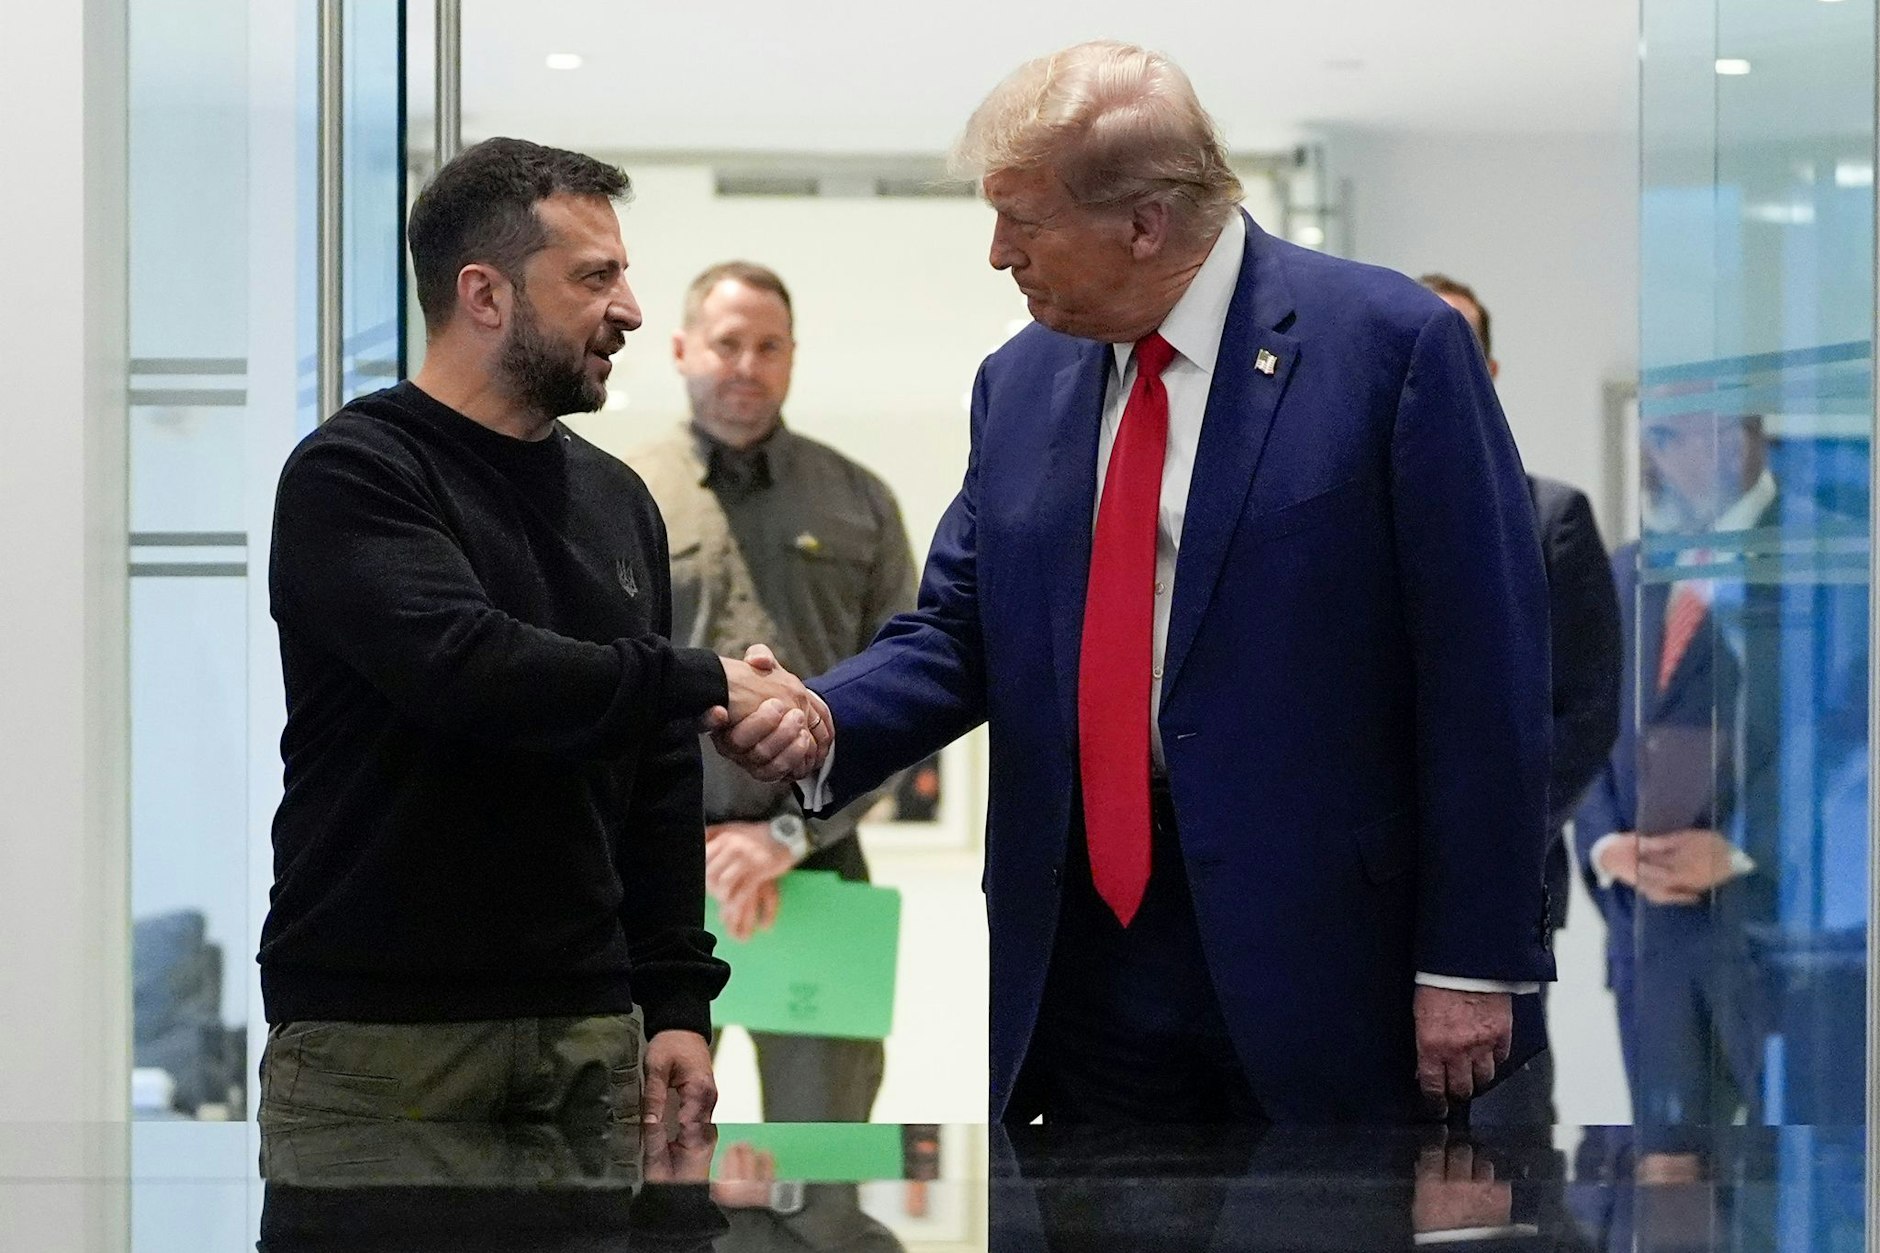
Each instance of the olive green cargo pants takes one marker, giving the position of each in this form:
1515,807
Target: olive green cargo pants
558,1070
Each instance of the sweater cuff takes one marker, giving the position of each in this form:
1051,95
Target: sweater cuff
679,1011
698,683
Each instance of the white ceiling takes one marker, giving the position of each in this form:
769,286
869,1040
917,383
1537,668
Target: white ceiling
884,77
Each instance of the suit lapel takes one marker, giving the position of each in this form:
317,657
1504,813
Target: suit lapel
1242,402
1067,511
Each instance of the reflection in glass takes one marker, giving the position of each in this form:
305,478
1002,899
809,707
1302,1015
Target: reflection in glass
377,1184
362,1184
193,1186
1727,842
1206,1188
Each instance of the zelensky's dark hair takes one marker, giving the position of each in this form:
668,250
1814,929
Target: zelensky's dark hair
481,208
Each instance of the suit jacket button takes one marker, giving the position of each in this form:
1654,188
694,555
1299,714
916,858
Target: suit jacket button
1057,876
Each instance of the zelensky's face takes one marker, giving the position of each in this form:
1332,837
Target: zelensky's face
573,309
553,375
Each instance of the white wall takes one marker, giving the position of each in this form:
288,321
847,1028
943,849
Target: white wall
64,986
895,308
1545,228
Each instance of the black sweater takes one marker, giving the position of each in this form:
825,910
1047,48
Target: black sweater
492,804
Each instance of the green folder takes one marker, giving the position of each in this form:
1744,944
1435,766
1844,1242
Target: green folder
821,1152
825,968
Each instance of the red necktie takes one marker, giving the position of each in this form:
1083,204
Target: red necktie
1683,619
1113,675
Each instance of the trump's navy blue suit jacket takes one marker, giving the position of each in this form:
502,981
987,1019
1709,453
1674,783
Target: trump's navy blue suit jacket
1355,695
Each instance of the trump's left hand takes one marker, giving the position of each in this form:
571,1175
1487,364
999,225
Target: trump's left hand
1456,1190
1461,1038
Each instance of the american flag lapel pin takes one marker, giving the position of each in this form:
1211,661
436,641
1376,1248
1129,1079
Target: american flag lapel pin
1266,362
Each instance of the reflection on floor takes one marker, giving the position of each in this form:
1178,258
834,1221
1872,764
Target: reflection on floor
1793,1188
366,1187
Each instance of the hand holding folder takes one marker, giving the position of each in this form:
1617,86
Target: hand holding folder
825,968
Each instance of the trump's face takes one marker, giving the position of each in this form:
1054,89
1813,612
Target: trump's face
1076,266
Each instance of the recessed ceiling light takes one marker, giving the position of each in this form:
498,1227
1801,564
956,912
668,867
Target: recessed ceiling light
1344,65
564,60
1732,66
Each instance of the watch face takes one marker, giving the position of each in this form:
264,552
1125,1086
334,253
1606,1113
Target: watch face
790,831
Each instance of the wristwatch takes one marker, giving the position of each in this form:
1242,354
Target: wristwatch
791,832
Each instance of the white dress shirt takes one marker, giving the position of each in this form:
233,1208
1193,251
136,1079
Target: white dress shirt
1193,329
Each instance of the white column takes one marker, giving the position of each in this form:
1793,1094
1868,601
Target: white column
64,842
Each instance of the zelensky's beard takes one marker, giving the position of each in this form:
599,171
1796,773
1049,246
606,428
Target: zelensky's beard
544,375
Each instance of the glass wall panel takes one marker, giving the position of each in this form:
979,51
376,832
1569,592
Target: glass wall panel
189,553
1740,794
222,187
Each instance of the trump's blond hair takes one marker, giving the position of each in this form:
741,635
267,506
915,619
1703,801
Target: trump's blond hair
1119,124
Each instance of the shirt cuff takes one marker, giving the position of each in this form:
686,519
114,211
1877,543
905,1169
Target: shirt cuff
1600,845
1467,1235
813,792
1456,983
1741,863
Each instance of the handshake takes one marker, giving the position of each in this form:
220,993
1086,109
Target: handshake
770,724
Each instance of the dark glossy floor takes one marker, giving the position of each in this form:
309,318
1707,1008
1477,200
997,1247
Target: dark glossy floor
204,1188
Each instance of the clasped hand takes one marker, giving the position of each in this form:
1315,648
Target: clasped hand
1672,868
771,725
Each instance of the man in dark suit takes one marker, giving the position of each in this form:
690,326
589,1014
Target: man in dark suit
1269,720
1583,612
1725,775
